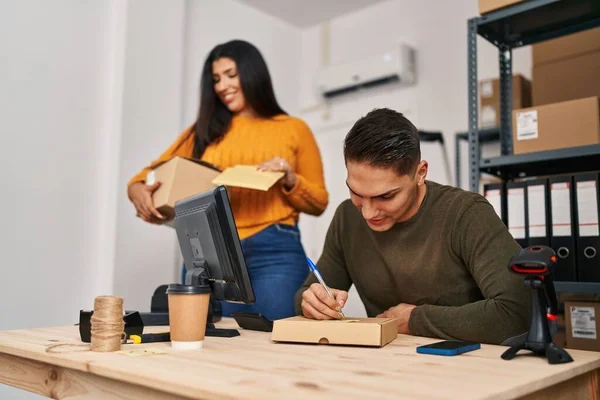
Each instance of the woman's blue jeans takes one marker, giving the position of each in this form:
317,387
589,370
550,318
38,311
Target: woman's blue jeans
277,266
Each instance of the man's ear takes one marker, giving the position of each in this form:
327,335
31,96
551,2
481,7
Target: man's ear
422,172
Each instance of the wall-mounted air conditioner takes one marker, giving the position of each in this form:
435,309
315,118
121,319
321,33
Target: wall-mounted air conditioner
397,65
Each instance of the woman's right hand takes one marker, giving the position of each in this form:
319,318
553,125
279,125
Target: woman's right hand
140,195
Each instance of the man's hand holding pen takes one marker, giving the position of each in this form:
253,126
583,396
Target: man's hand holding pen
317,304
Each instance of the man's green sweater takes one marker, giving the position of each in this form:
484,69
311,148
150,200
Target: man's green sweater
450,260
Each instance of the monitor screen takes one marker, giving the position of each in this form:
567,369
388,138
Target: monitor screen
208,240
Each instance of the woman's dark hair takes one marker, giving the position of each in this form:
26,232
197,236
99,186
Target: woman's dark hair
384,138
214,118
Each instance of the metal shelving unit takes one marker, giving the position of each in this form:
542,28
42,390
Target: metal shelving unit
437,136
576,287
519,25
522,24
552,162
487,135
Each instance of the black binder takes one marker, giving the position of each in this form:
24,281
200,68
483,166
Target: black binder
495,193
587,201
516,200
562,238
538,230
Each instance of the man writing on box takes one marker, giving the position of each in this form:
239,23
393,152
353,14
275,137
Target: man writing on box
434,257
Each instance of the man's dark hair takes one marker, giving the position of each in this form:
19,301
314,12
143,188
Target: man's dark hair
384,138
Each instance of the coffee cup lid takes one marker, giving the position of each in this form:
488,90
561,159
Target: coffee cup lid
175,288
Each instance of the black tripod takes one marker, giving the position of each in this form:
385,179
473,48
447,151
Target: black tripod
538,339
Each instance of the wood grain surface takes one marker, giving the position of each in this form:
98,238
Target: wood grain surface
55,363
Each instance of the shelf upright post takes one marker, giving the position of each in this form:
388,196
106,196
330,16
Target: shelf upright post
506,96
473,106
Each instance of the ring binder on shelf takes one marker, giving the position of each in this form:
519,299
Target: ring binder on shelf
562,234
587,232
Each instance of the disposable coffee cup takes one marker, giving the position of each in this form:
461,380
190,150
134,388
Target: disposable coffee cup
188,310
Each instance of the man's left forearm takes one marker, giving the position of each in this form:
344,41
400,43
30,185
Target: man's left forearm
486,321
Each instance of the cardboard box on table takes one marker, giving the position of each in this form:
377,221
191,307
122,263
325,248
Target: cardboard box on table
375,332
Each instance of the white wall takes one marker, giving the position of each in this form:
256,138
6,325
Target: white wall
57,79
437,30
152,104
60,78
162,78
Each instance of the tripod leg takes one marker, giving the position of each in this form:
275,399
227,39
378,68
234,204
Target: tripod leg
557,355
511,352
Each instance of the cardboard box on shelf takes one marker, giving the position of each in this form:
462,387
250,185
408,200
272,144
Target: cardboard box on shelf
375,332
180,177
567,79
556,126
489,94
582,328
566,68
564,47
486,6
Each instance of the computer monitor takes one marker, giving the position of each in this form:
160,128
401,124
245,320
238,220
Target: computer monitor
211,247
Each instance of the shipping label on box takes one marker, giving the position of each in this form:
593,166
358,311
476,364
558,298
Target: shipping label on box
151,178
583,322
487,89
527,125
581,325
488,117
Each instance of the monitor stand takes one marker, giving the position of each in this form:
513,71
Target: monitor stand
220,332
198,276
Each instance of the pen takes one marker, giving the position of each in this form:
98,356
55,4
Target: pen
315,271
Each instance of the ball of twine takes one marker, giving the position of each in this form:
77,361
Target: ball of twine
107,325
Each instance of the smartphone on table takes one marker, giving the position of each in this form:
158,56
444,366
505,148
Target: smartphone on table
448,348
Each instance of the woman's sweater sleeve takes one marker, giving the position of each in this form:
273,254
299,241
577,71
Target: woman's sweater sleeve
309,195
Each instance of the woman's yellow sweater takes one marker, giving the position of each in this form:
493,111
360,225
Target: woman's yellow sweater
252,141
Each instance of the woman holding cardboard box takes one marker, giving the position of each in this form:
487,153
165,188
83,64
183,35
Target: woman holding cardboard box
240,122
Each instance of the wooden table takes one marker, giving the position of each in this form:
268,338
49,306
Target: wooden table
53,362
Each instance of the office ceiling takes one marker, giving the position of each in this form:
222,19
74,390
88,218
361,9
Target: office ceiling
305,13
